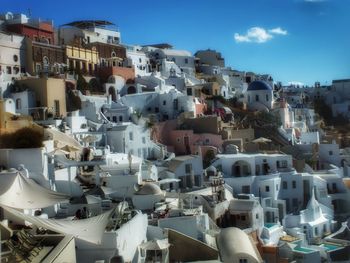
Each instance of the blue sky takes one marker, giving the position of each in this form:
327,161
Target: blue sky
294,40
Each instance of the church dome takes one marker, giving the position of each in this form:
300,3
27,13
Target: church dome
211,169
259,85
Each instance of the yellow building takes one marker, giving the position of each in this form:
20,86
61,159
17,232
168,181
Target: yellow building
83,59
50,94
9,122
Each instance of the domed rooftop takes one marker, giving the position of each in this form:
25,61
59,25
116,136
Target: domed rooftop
211,169
259,85
234,243
149,189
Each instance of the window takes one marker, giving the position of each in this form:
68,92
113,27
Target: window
15,58
15,70
267,188
18,104
257,216
140,60
257,169
186,60
8,70
282,164
188,168
156,109
294,184
267,97
330,152
243,260
243,218
285,185
143,140
316,231
57,107
131,136
256,97
164,102
120,118
114,118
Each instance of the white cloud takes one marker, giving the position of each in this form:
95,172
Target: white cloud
278,31
296,83
259,35
254,34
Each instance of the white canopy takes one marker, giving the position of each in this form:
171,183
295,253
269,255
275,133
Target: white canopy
168,180
159,244
261,140
90,229
19,192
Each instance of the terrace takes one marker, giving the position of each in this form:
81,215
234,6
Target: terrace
20,244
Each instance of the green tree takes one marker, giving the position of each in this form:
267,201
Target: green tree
208,158
81,82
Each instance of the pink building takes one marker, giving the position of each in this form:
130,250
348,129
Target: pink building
183,142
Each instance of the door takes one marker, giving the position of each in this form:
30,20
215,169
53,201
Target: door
57,108
187,145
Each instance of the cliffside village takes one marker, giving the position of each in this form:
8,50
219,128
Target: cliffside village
112,152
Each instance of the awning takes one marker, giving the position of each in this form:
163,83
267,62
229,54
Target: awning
90,138
101,191
168,181
69,148
58,151
19,192
155,244
261,140
90,229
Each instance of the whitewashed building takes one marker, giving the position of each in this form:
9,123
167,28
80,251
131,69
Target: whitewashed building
12,59
138,59
183,59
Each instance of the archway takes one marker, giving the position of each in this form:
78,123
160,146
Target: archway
111,92
131,90
241,169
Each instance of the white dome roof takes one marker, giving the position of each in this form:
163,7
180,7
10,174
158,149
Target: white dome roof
149,189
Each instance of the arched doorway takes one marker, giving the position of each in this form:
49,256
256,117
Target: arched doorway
241,169
131,90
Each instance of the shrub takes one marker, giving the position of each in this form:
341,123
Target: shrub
22,138
208,158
